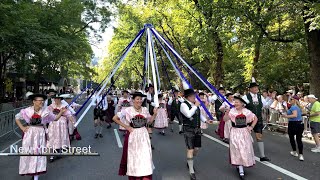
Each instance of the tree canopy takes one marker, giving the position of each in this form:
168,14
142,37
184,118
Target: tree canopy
227,41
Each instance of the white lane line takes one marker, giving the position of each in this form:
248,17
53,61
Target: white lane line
10,146
118,138
273,166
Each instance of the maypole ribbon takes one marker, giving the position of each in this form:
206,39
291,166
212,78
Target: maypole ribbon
155,63
183,78
200,77
75,98
133,42
156,100
107,92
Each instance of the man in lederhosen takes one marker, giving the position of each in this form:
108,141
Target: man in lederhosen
191,117
256,103
175,103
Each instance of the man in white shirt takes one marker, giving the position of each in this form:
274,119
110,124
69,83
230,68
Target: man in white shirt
256,103
99,113
191,117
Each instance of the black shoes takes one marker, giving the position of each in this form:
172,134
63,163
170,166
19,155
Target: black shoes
162,133
180,132
264,159
193,176
109,126
98,135
152,147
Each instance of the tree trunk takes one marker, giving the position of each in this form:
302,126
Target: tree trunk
313,41
219,74
256,55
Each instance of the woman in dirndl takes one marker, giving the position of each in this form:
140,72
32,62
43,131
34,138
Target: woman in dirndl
124,102
241,142
136,161
58,131
34,136
161,121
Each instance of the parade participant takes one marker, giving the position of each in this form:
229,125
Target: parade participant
295,127
34,135
99,114
161,121
241,143
150,99
314,115
204,99
72,130
136,161
58,131
123,103
217,105
191,116
225,131
110,111
223,108
49,101
256,103
174,103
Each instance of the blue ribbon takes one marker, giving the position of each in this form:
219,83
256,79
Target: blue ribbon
124,52
185,79
75,98
200,75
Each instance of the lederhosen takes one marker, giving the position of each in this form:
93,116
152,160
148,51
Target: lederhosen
256,108
191,128
98,112
175,111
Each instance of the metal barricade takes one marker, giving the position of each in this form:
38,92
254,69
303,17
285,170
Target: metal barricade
7,122
274,121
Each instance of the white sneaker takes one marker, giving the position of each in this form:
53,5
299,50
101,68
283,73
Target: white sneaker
301,157
316,150
294,153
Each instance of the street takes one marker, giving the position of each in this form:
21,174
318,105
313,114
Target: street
170,158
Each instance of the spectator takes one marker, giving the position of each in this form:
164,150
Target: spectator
295,127
315,121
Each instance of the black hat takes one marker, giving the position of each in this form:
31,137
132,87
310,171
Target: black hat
160,95
229,94
57,96
221,89
125,91
135,94
176,90
201,94
241,99
188,92
33,96
150,85
253,83
52,90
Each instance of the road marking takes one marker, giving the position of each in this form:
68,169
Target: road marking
11,145
118,138
273,166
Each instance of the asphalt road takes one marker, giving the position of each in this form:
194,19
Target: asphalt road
170,159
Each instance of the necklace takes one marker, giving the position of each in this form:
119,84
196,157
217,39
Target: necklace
36,111
138,110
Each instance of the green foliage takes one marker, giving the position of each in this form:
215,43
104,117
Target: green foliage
262,38
50,38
